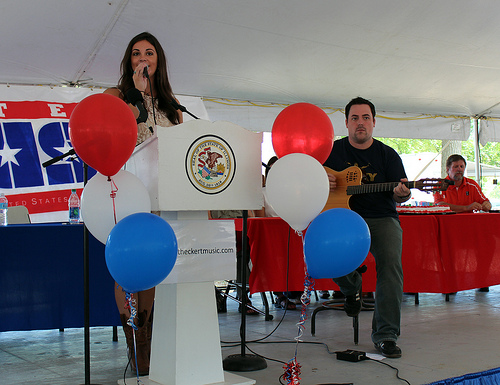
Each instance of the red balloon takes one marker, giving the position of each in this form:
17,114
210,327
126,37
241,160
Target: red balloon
103,132
303,128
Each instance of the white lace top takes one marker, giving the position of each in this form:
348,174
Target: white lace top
143,131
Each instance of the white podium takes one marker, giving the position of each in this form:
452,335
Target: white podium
189,169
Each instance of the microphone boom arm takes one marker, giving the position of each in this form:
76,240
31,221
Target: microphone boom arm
181,108
58,158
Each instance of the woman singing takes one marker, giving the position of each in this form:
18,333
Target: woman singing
144,82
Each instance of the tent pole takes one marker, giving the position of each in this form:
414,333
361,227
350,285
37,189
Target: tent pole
477,153
86,273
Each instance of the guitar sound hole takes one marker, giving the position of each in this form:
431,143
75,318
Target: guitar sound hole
351,176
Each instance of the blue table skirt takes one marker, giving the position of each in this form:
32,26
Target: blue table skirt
41,279
488,377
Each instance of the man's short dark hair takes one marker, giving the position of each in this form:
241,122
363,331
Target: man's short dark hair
356,101
270,162
454,158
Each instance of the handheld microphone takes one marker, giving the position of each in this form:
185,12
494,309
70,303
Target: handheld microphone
145,74
134,96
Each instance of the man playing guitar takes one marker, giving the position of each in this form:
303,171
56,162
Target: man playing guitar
379,163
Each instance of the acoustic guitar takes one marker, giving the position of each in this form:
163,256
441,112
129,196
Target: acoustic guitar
349,183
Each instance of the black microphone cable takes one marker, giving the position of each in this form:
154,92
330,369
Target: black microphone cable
152,98
135,98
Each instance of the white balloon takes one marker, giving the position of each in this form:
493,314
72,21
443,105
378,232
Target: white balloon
297,187
98,208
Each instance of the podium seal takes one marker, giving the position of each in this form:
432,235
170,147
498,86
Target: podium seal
210,164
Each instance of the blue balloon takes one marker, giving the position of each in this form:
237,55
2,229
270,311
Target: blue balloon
141,251
336,242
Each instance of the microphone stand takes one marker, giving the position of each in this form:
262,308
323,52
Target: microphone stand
86,273
58,158
238,362
244,362
181,108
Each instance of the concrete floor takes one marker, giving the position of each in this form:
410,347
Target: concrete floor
439,340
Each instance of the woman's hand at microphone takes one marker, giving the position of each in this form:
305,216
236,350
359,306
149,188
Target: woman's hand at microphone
140,81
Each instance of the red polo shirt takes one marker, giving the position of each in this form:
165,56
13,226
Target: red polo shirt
468,192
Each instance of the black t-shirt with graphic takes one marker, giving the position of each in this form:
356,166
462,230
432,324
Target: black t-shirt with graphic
379,163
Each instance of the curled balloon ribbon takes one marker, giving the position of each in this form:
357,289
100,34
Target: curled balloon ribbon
292,372
130,305
114,190
292,368
305,300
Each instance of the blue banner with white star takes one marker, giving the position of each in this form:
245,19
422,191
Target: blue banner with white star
31,133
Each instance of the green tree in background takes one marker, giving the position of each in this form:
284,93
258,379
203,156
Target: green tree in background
412,146
490,155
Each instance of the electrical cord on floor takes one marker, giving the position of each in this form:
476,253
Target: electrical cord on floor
125,371
235,343
266,358
261,340
328,351
271,359
380,362
392,367
288,342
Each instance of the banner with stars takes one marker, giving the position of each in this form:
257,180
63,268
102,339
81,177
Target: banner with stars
34,129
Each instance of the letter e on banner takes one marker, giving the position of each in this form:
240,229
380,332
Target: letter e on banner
55,110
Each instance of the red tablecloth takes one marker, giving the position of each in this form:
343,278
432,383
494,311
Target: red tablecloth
441,254
470,250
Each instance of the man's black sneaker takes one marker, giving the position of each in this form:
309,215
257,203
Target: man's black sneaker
352,305
388,349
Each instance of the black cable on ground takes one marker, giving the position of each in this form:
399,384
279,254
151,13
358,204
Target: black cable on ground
286,309
261,340
125,371
392,367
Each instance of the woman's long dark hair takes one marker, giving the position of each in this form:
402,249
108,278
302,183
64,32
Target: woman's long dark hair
161,83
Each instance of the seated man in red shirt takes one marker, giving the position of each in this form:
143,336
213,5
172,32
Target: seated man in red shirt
465,195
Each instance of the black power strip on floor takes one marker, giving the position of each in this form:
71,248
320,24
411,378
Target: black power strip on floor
351,355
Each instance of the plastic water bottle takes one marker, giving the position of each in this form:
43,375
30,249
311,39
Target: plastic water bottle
4,205
74,207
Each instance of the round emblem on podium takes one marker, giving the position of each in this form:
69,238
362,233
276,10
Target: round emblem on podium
210,164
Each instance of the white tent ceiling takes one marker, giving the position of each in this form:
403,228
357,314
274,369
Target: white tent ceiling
427,56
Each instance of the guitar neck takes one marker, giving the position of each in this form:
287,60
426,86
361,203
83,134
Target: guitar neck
375,187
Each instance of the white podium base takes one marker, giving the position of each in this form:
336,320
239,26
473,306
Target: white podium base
229,379
185,348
